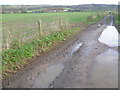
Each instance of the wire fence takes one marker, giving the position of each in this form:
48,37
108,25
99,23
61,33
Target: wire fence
18,34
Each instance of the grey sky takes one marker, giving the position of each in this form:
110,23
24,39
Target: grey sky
57,2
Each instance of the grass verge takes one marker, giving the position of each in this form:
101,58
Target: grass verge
14,59
117,21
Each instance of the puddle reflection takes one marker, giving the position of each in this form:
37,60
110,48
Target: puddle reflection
46,77
104,71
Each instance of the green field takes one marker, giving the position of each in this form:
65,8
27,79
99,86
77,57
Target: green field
71,17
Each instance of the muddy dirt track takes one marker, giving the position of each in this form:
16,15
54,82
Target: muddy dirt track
74,60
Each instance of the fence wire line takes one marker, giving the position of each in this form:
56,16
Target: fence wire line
25,32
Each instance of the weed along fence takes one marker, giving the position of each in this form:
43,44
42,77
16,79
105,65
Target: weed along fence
18,34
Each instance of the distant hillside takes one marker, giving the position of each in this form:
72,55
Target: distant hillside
96,7
80,8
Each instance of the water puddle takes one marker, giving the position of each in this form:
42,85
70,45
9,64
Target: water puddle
49,75
75,48
110,36
104,71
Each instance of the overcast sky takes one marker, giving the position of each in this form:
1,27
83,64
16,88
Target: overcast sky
57,2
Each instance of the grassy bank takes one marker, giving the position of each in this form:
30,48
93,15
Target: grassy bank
14,59
117,21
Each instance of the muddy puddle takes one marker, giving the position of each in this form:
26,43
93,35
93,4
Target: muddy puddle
48,76
110,36
50,73
75,48
104,71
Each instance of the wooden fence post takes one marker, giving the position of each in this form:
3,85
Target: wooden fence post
61,24
7,43
8,39
40,27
